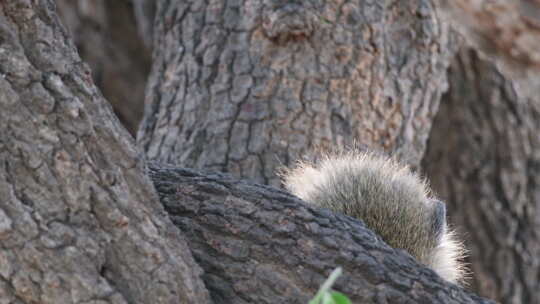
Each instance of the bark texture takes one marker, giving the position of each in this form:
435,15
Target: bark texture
246,86
79,220
105,33
258,244
484,161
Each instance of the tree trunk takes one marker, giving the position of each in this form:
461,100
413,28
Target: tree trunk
106,36
258,244
507,30
484,161
247,86
79,220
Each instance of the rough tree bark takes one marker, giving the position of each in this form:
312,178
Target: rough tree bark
79,220
484,161
105,33
247,86
258,244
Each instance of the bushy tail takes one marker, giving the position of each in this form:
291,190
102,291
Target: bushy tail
392,200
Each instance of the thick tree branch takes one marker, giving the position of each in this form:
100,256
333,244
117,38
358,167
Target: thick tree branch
79,220
258,244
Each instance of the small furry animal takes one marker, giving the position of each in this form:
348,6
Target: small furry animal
390,199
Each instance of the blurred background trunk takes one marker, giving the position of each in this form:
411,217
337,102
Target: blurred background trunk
107,37
483,159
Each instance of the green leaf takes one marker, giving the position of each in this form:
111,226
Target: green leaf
318,299
340,298
326,295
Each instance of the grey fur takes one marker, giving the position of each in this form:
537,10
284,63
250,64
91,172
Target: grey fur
390,199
